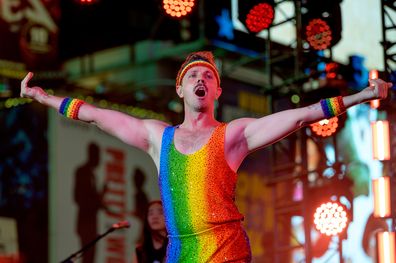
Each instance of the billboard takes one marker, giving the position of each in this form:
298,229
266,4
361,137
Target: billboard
95,182
29,32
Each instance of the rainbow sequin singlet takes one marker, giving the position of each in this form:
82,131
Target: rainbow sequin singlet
198,194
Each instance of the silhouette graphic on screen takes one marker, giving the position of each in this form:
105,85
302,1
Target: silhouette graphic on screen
88,200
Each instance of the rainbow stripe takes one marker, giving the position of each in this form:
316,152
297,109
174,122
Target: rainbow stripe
332,106
70,107
198,193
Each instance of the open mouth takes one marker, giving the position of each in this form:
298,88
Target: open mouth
200,91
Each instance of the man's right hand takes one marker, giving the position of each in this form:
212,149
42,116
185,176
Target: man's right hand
35,93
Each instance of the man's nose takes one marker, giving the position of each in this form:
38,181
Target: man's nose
201,80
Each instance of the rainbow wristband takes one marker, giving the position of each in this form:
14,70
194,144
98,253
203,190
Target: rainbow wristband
333,106
70,107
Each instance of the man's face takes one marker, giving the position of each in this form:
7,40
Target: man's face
199,87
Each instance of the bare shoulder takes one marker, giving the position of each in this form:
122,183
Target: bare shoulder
236,127
235,145
235,132
155,128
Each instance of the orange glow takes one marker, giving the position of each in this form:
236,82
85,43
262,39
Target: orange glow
386,247
330,218
382,197
374,104
380,139
331,70
87,1
178,8
373,74
325,127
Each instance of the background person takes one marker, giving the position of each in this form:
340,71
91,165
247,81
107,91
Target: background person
152,249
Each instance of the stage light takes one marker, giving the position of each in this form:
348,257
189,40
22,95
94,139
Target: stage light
382,197
325,127
260,17
321,22
380,140
374,104
86,2
330,218
178,8
256,14
319,34
386,247
373,74
331,70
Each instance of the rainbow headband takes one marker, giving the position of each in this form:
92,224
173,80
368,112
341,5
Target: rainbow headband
197,63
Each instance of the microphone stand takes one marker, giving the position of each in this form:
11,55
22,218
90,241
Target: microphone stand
79,253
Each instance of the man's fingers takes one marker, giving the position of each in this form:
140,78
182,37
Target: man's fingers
372,83
24,87
27,78
380,87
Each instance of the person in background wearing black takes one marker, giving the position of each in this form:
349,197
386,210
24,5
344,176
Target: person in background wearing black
153,247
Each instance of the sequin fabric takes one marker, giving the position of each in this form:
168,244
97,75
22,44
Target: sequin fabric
198,193
332,106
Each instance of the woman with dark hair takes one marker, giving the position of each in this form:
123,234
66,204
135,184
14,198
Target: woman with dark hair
153,247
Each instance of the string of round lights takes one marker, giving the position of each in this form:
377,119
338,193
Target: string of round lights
134,111
178,8
325,127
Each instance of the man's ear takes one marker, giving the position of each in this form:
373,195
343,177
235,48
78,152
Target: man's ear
179,91
218,92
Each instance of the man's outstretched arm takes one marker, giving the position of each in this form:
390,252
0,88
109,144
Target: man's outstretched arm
269,129
133,131
247,134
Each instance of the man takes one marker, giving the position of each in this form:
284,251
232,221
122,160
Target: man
198,159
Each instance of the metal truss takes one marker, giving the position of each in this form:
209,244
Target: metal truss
388,11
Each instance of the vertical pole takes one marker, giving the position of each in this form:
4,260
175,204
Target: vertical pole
298,49
340,248
302,136
384,40
268,71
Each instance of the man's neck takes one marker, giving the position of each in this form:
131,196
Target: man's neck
198,120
